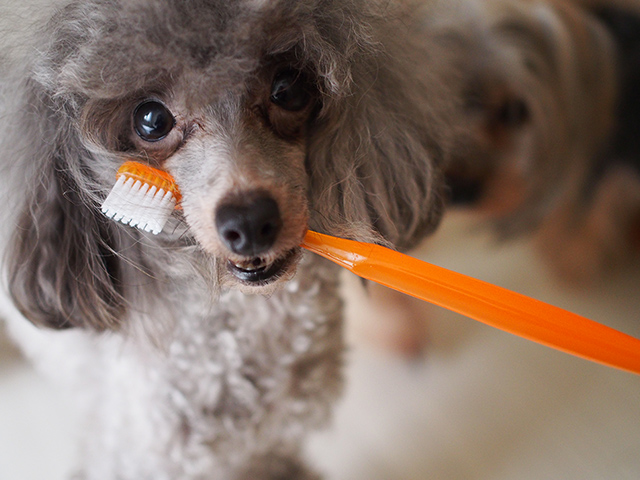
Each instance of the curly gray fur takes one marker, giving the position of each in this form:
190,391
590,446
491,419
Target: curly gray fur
187,372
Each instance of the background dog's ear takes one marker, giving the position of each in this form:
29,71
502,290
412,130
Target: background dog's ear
63,269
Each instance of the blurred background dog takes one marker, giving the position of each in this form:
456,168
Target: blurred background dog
551,144
549,140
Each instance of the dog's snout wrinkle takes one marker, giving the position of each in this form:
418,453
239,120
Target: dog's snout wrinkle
249,226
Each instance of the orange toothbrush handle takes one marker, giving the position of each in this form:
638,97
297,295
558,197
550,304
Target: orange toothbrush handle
487,303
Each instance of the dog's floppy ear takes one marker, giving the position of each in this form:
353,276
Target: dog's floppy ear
62,267
376,152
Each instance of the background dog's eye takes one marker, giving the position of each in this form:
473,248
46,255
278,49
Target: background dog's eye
152,121
513,113
289,91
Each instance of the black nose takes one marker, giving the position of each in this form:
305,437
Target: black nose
249,226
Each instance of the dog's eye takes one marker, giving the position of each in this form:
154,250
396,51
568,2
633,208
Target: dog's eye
289,91
514,113
152,121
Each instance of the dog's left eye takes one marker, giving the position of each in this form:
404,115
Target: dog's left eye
289,90
152,121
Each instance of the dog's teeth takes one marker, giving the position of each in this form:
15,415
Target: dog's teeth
251,265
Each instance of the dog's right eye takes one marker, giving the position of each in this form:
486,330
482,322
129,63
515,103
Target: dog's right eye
289,91
152,121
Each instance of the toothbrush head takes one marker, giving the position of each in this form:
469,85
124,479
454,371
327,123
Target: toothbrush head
143,197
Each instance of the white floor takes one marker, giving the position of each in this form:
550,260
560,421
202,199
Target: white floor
481,404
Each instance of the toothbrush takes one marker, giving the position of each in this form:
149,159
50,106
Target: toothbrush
145,197
482,301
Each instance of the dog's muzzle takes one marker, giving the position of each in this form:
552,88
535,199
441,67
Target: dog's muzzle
259,272
249,227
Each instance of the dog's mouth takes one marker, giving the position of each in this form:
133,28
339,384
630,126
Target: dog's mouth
258,271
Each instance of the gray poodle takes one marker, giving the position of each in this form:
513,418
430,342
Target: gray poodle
208,351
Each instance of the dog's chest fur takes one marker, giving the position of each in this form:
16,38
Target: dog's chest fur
237,359
237,378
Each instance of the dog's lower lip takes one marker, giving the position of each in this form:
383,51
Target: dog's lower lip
263,274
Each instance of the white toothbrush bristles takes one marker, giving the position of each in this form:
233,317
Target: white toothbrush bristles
138,204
